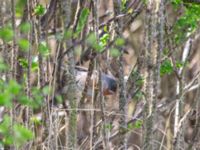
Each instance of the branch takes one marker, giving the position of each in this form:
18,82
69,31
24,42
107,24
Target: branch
136,116
48,16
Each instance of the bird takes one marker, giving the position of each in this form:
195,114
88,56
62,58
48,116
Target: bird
109,83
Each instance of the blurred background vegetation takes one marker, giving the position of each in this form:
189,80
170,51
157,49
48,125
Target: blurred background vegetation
99,74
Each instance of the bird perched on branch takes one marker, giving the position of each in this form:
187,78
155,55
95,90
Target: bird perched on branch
109,83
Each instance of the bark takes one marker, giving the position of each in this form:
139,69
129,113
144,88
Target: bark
69,89
153,46
122,87
178,129
14,49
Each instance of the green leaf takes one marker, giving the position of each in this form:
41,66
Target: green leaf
179,64
176,2
130,11
138,124
8,92
39,10
59,99
82,21
3,66
24,44
13,87
22,135
25,27
114,52
24,100
5,125
108,126
123,4
36,120
188,22
91,39
8,140
20,5
46,90
92,42
139,82
119,42
68,34
104,39
166,67
138,96
37,98
43,49
6,99
165,52
105,28
6,34
35,65
23,62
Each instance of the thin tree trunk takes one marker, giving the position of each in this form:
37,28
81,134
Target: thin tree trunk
14,48
154,47
122,93
178,130
69,90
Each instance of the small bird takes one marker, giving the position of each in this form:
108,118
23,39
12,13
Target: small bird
109,83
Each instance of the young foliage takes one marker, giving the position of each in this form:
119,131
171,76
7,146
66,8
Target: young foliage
166,67
114,52
123,5
188,22
92,42
16,134
104,39
68,34
136,125
119,42
82,21
21,134
24,63
39,10
5,126
8,91
43,49
25,27
3,66
6,33
24,44
20,5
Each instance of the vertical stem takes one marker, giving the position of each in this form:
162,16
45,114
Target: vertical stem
103,117
101,97
70,85
29,50
153,48
27,110
156,76
178,137
122,93
13,57
92,120
93,132
13,62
